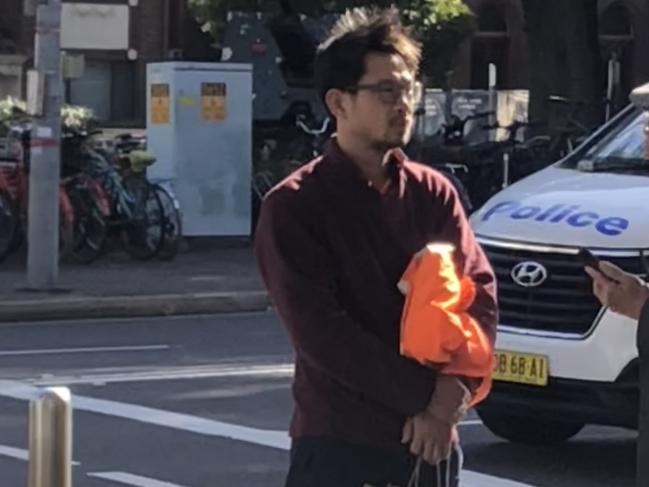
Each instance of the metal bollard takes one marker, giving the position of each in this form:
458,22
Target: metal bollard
50,439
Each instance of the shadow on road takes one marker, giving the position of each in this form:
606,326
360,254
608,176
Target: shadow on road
596,458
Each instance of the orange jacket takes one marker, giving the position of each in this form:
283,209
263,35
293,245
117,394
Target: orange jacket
436,329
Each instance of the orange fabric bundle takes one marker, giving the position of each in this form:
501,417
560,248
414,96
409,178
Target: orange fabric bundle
436,329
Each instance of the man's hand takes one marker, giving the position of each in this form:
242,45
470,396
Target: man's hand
622,292
450,400
430,438
432,432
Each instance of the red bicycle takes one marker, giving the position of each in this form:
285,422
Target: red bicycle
14,188
8,218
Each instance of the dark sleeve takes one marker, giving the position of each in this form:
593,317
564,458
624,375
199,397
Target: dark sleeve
643,412
642,336
298,273
470,257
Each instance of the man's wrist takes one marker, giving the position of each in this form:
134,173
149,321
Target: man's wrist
643,302
640,303
471,383
450,403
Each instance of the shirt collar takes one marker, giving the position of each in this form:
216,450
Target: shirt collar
394,161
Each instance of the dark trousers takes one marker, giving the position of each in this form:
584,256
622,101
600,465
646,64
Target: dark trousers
325,462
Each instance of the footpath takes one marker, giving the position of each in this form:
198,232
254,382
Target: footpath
208,276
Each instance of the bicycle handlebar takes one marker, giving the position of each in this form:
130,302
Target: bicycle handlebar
77,133
479,115
516,125
318,131
458,124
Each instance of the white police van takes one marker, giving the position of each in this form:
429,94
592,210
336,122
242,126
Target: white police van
563,361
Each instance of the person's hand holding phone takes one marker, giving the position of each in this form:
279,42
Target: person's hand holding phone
622,292
589,259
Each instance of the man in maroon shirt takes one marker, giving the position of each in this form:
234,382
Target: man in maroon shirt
332,241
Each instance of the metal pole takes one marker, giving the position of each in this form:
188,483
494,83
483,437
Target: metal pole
493,102
43,215
50,439
610,83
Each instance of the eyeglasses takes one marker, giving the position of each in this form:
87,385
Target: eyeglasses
390,92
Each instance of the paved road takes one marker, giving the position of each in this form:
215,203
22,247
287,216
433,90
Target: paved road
204,402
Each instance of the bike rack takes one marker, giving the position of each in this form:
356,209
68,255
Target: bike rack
50,439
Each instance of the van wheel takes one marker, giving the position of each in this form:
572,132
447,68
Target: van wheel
529,430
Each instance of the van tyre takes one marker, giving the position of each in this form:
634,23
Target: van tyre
529,430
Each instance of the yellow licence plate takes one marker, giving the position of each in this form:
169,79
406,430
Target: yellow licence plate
521,368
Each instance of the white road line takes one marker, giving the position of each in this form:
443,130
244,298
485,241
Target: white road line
146,320
57,351
11,452
204,426
130,479
20,454
180,421
475,479
190,372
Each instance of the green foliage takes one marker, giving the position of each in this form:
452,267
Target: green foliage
441,25
11,107
71,115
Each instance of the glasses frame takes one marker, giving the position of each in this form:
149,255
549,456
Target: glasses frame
389,92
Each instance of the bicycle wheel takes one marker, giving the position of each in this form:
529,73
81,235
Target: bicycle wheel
459,186
172,226
90,208
8,224
143,231
540,150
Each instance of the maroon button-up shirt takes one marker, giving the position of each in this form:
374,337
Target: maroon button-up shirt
331,250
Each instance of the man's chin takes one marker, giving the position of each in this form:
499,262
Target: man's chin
399,141
392,141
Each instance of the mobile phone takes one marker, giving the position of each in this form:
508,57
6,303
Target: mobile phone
589,259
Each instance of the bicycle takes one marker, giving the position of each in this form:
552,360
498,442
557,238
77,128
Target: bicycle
89,200
512,152
470,167
14,185
172,228
8,217
562,140
318,136
308,144
136,211
454,132
133,159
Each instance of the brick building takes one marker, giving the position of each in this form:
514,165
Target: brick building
117,38
501,40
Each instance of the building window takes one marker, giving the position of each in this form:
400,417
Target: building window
106,87
617,43
490,46
615,22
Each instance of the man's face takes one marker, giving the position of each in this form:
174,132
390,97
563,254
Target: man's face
380,109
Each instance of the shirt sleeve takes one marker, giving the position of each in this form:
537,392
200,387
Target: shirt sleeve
643,333
470,258
297,270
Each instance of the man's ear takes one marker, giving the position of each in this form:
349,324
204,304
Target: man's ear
336,103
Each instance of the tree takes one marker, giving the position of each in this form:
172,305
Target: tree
440,25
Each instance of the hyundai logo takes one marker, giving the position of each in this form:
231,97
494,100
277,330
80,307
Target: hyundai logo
529,274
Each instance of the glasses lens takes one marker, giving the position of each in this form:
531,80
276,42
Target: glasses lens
394,92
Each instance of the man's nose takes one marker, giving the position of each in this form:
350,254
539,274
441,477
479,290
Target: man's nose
404,100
